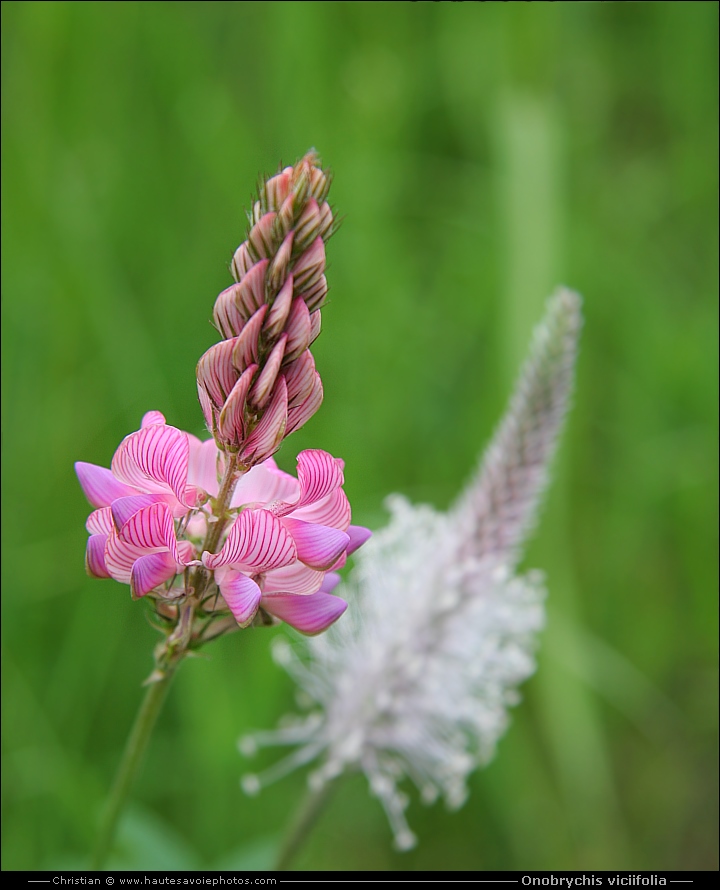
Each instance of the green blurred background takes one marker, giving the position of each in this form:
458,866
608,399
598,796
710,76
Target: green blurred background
483,152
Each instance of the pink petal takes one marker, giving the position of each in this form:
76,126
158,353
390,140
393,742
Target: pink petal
241,262
100,522
246,348
231,425
151,417
263,484
151,528
95,557
123,508
257,541
208,409
251,289
216,372
229,320
280,309
150,571
319,474
299,415
297,579
267,436
154,459
260,238
204,467
266,381
333,510
310,266
277,272
99,485
298,328
277,188
300,377
317,545
315,325
330,582
315,292
358,535
120,557
242,596
308,614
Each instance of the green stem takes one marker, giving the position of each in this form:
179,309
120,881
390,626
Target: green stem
132,758
303,823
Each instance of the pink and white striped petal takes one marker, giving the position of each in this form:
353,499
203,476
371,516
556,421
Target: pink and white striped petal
298,328
231,425
257,541
319,474
266,380
151,528
263,484
297,579
100,486
155,459
318,546
299,415
100,522
242,596
308,614
95,557
247,344
229,320
280,309
205,465
267,436
121,556
149,572
333,510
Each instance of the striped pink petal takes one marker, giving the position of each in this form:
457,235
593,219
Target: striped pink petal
121,556
151,528
123,508
300,377
95,557
267,436
310,266
251,289
209,410
247,344
308,614
333,510
205,465
242,596
257,541
266,380
297,579
299,415
231,425
319,474
154,459
229,320
99,485
280,309
317,545
263,484
150,571
216,372
100,522
242,262
298,328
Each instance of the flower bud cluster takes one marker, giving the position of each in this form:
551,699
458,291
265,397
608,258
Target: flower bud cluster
259,384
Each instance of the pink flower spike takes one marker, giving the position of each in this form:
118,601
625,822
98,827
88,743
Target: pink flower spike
155,459
242,596
317,545
308,614
149,572
95,557
99,485
257,541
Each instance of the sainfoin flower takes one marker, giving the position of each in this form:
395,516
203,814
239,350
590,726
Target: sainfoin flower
416,680
283,538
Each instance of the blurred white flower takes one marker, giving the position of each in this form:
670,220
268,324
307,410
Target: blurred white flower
416,680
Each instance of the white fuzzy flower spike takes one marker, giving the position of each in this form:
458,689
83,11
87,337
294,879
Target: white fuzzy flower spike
415,682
